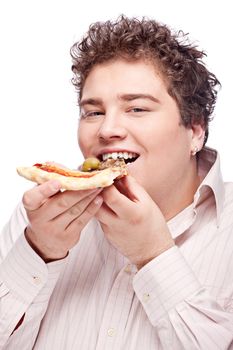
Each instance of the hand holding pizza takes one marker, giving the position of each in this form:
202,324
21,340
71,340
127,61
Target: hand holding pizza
57,218
133,223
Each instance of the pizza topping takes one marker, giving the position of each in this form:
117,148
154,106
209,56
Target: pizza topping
52,168
112,163
90,164
95,164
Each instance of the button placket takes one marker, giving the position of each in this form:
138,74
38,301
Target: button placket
116,311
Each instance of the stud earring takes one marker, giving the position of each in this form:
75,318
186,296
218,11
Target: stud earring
194,151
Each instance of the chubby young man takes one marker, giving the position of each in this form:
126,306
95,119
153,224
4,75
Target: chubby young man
146,262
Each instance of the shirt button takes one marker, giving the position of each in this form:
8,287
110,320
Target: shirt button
111,332
37,280
146,297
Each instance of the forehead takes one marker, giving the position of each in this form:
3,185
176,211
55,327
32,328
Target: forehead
120,76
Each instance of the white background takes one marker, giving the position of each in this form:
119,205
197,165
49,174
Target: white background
37,100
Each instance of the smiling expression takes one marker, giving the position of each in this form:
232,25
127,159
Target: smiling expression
125,107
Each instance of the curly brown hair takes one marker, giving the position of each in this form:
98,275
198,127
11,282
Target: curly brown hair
188,81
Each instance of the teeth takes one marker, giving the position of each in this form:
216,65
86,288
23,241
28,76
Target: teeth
116,155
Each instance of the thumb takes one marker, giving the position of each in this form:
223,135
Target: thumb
129,186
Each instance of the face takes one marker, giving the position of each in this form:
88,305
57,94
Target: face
126,111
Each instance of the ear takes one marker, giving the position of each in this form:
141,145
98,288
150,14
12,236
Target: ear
197,138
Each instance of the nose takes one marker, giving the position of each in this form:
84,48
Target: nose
112,128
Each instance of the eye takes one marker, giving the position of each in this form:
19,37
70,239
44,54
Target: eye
137,109
91,114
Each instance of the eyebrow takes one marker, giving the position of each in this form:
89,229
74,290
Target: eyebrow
91,101
131,97
123,97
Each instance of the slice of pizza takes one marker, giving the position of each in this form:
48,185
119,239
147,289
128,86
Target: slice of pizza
96,174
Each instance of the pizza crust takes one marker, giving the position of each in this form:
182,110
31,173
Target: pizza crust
101,178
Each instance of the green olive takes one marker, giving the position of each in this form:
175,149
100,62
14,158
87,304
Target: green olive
90,164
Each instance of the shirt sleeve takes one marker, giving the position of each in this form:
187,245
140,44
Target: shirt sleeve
26,284
182,311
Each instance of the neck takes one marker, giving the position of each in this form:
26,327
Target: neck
179,194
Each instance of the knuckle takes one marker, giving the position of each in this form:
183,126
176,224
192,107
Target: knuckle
63,203
81,222
91,209
75,210
136,219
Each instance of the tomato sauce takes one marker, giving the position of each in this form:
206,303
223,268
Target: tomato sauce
64,172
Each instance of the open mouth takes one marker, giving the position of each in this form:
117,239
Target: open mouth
129,157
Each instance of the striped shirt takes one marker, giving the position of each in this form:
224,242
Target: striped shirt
96,300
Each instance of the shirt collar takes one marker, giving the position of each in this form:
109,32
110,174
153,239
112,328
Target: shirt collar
211,180
209,170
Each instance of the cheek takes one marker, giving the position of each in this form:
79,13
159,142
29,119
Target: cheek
79,136
82,135
168,150
87,137
170,138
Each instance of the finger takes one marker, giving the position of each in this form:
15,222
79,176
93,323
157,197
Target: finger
122,186
80,222
62,202
105,215
134,190
120,204
75,211
34,198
